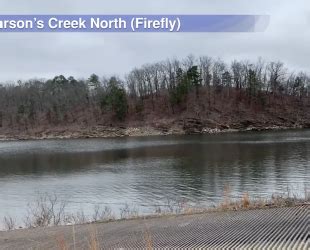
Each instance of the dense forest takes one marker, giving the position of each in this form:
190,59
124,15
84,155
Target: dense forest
190,94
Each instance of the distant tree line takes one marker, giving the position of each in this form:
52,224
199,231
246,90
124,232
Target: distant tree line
164,85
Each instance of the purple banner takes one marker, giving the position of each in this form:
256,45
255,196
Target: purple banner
133,23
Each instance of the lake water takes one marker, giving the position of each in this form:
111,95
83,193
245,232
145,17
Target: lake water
148,171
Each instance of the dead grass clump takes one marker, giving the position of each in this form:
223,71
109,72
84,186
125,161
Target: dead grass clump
245,200
226,198
93,242
9,223
128,212
148,239
104,214
61,243
47,210
173,207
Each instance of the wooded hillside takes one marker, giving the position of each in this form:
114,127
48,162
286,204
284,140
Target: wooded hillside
191,94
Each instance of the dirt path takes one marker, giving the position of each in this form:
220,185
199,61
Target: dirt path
282,228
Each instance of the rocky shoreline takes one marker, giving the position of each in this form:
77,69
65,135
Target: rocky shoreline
188,126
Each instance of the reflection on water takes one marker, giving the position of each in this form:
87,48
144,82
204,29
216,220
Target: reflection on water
148,171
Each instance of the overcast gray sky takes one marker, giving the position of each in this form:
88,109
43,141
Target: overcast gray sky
24,56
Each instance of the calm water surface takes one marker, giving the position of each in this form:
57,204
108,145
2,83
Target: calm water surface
148,171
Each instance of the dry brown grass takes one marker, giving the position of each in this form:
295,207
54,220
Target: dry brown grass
93,242
226,197
245,200
61,243
148,239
